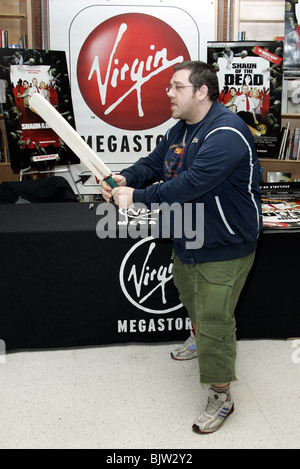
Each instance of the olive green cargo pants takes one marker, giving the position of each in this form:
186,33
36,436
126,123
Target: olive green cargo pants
210,292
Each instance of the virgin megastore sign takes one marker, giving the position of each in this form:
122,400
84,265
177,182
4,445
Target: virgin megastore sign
129,78
121,59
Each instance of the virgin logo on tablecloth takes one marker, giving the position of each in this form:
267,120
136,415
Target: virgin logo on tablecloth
124,67
146,277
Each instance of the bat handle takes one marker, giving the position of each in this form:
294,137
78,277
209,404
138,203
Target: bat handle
111,181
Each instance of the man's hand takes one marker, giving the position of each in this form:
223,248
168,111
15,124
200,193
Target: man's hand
123,196
106,190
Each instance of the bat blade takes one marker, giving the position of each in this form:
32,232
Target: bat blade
69,135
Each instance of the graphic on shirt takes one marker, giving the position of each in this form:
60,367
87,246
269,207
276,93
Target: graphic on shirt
174,158
174,162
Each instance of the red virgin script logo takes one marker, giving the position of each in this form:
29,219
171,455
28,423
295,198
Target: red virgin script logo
124,67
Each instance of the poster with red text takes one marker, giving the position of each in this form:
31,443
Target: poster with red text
121,60
250,79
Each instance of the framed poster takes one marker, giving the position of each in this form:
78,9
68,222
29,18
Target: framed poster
250,79
31,142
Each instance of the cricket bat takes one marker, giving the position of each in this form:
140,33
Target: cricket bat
69,135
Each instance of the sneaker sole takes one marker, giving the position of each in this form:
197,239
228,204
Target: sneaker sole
197,429
182,359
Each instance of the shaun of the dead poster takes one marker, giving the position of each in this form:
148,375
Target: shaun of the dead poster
250,79
31,141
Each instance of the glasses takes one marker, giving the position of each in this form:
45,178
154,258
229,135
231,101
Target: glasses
177,88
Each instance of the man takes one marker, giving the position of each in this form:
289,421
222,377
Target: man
34,88
208,158
243,106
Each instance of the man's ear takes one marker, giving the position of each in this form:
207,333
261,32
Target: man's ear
203,92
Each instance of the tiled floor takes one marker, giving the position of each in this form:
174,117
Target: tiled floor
136,396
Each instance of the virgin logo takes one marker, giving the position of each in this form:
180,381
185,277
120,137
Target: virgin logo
124,67
146,278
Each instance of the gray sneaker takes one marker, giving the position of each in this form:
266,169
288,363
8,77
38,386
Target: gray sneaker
219,406
187,350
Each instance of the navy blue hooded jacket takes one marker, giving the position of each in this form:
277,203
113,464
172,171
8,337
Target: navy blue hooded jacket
219,168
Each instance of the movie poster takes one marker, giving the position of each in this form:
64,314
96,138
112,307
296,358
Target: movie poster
31,141
250,78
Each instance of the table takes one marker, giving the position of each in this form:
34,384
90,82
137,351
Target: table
64,286
269,304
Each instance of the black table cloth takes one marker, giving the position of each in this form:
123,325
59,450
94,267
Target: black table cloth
63,286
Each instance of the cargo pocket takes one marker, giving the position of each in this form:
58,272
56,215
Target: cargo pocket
216,345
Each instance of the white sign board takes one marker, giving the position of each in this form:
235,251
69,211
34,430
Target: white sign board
121,58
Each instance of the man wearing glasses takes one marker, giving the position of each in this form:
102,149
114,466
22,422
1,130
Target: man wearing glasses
208,157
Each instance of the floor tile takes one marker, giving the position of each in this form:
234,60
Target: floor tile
134,396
